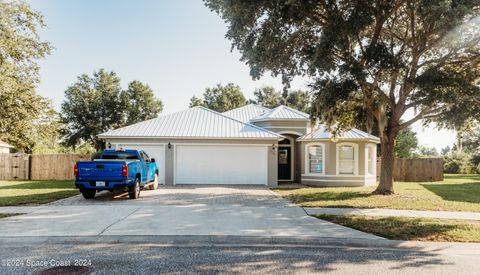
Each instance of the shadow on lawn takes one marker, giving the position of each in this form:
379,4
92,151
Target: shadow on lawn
41,185
466,192
328,196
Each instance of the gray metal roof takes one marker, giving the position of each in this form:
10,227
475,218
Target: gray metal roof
196,122
283,112
247,112
322,133
5,145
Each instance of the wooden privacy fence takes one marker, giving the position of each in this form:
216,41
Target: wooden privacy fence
54,167
416,169
14,166
38,167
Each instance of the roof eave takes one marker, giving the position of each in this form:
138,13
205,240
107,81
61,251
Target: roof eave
279,137
280,119
341,139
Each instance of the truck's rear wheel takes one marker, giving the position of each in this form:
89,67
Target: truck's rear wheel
154,184
88,193
134,191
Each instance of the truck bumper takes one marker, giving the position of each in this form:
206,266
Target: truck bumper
109,185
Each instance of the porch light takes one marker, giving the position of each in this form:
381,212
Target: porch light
169,145
274,146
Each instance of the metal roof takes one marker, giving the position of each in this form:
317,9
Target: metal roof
5,145
283,112
322,133
196,122
247,112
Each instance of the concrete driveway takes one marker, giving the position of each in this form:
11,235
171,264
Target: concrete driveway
187,210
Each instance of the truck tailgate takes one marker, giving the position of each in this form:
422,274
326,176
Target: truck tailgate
100,170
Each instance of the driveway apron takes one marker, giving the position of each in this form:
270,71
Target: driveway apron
185,210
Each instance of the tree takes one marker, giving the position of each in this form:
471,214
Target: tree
426,152
299,100
20,49
48,132
388,56
406,143
96,104
140,103
268,97
92,105
220,98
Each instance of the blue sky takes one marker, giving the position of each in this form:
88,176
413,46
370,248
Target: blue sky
176,47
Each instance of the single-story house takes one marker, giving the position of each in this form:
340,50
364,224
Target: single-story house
250,145
5,147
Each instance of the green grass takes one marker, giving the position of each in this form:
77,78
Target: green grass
13,193
417,229
456,193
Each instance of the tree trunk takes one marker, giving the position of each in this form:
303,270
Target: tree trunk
387,161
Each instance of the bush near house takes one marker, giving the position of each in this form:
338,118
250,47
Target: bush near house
462,163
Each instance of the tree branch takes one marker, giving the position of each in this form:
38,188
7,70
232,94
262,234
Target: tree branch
421,115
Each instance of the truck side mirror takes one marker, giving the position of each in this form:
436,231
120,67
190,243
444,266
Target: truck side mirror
152,160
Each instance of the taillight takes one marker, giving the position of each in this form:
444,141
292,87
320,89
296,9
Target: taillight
75,170
125,170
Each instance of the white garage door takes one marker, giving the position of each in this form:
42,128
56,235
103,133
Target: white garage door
221,164
156,151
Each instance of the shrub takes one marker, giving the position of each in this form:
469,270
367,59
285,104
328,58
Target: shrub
461,163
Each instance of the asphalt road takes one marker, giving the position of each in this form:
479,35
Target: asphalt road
153,258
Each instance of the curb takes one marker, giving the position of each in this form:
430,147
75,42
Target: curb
246,241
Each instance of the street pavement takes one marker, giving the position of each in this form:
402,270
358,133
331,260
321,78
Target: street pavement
33,256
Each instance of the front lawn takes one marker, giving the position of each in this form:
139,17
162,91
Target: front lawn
412,229
13,193
456,193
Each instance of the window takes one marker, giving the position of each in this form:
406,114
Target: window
346,155
370,159
315,159
118,155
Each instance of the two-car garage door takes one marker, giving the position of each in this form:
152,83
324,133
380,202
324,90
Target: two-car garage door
221,164
210,163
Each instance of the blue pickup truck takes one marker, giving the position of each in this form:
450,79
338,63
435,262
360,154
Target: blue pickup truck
128,170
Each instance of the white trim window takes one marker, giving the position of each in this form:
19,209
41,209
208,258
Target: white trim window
347,159
370,160
315,160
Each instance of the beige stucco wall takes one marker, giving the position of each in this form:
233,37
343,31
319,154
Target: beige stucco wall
330,177
169,153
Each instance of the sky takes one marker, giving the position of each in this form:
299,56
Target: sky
178,48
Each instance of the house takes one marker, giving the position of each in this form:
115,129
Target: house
250,145
4,147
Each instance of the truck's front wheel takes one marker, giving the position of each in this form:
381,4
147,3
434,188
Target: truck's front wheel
88,194
134,191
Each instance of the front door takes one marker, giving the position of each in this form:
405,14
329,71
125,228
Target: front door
284,163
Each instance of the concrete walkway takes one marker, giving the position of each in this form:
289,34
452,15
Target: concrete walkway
170,211
395,213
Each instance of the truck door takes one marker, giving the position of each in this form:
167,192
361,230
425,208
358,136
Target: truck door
145,167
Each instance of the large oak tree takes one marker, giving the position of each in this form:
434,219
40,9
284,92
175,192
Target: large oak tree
20,49
389,57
